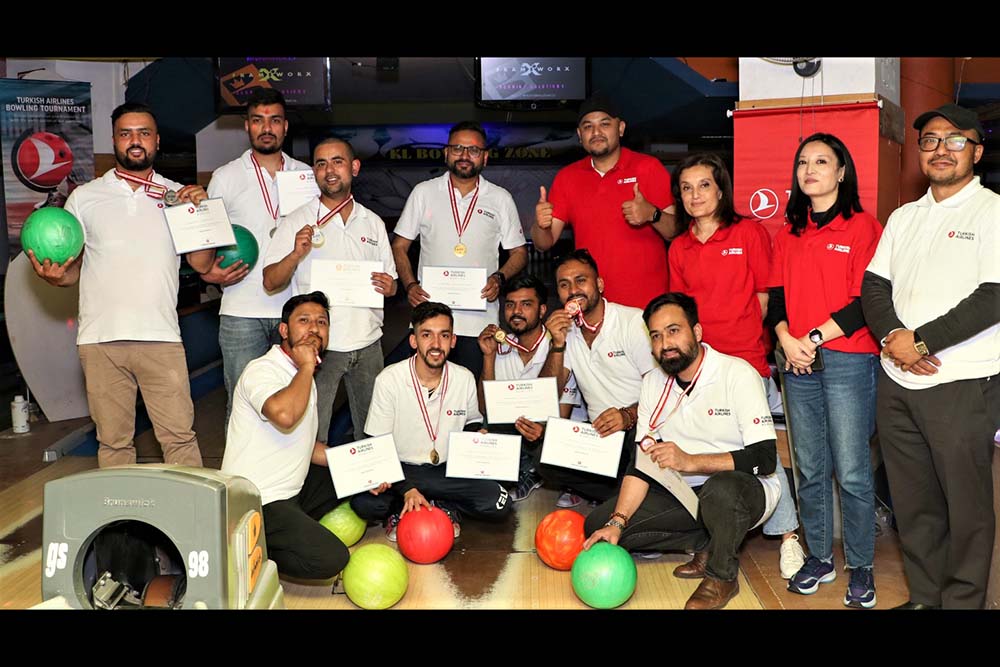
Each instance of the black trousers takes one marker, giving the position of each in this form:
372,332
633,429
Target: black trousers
475,498
296,542
938,448
729,504
588,484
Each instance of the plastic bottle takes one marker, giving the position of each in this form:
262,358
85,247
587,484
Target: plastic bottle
19,415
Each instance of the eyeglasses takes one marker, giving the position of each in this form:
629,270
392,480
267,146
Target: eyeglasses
458,149
954,143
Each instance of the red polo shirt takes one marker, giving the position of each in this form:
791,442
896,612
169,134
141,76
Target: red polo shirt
632,260
724,274
821,271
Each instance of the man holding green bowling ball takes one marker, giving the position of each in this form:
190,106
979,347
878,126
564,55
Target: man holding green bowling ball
704,415
129,336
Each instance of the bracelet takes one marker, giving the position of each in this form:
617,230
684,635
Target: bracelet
500,276
616,523
627,417
406,290
624,518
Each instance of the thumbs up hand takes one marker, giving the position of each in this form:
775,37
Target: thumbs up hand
638,211
543,210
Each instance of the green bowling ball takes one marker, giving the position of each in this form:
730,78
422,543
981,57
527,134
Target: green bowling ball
53,234
345,524
604,576
246,248
376,577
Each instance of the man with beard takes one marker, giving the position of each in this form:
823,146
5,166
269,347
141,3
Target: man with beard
336,227
248,315
605,346
604,197
461,220
272,442
703,414
128,271
932,295
420,401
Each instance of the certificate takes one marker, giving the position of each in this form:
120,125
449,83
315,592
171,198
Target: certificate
457,287
347,283
670,479
295,188
577,445
363,465
483,456
506,400
199,227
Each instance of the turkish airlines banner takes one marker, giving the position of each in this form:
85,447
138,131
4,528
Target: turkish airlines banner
764,145
47,141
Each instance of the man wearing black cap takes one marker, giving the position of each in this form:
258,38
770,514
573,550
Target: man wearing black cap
619,204
932,295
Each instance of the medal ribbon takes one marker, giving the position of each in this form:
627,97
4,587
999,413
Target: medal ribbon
662,402
335,211
153,190
512,341
461,225
431,431
272,209
582,322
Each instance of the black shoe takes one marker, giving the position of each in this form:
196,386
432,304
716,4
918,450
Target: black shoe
916,606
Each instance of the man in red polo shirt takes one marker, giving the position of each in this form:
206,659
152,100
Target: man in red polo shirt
619,204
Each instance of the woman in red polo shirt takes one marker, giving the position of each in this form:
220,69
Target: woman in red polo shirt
819,261
723,260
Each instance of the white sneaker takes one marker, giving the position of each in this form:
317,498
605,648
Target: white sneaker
791,558
568,499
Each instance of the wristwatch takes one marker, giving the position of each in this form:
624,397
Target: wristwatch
816,336
919,345
656,215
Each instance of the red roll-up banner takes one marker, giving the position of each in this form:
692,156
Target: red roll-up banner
764,145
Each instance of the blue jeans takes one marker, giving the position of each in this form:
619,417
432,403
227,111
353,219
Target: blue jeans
783,519
832,418
242,340
358,369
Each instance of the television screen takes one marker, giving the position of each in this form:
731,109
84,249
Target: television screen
531,83
305,82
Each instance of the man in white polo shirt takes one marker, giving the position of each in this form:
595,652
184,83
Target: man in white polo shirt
272,442
420,401
705,415
249,313
932,295
129,336
336,227
461,220
606,347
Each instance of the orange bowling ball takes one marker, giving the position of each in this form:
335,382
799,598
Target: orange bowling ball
559,538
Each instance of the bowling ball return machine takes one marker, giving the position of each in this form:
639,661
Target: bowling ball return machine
156,536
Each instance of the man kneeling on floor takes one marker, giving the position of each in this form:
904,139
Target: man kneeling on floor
705,415
420,401
271,441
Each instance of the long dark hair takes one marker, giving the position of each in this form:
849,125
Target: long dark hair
848,203
726,213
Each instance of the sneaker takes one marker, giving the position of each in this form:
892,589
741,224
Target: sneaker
455,525
791,558
528,482
860,589
568,499
813,573
390,527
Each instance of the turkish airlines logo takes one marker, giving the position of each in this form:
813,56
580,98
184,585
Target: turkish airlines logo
456,413
965,236
836,247
626,181
576,429
191,210
764,203
369,241
510,387
616,353
353,451
732,251
719,412
445,273
303,176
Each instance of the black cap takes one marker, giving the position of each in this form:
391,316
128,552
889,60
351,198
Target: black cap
598,102
960,117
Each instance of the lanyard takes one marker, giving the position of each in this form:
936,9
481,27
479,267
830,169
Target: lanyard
272,209
326,218
575,312
432,431
662,403
461,224
153,190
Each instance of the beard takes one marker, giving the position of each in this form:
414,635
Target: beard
522,326
430,362
334,191
265,149
677,365
468,169
139,164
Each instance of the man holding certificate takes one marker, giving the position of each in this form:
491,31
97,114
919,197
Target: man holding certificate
421,401
249,314
461,220
336,245
272,442
128,271
606,347
704,415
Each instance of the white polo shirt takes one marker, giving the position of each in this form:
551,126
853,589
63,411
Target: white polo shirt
494,222
724,412
936,254
394,409
509,366
361,238
609,373
571,396
237,184
129,275
276,461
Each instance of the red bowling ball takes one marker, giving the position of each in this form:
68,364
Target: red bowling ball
425,536
559,538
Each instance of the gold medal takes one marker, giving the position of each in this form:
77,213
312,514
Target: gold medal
434,457
647,442
572,308
318,238
460,250
500,336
